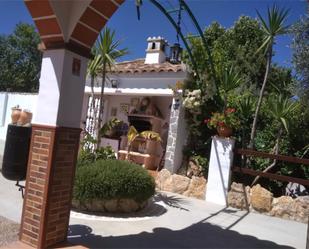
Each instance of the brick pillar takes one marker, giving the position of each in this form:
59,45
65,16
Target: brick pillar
53,150
48,193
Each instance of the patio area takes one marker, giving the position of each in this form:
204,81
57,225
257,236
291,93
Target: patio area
172,221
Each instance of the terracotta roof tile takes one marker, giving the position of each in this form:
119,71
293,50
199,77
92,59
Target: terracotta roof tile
138,66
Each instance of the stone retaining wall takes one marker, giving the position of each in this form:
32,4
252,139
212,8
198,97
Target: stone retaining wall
261,200
191,187
124,205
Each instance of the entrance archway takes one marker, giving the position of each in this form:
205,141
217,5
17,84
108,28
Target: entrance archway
68,30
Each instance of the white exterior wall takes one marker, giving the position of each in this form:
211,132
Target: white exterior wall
153,80
155,57
60,91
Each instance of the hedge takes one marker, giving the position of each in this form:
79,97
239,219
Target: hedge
113,179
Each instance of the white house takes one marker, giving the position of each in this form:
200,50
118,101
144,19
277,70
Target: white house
138,93
134,82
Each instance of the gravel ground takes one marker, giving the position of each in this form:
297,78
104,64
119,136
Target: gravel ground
8,231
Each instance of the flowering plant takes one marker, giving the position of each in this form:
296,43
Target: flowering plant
228,118
193,100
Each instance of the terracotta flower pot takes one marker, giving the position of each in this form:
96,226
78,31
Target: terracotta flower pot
15,114
224,131
25,117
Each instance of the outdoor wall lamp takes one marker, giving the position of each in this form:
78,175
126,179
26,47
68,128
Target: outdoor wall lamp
175,52
176,103
114,83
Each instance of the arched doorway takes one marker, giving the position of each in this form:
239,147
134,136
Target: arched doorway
68,30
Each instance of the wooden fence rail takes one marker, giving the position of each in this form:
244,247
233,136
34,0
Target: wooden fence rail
253,153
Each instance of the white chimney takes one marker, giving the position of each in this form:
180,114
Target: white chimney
155,52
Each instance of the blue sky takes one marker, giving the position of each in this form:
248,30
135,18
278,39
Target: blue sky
153,23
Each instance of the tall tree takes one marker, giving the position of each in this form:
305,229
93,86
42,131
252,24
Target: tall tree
273,27
300,46
235,47
108,48
20,60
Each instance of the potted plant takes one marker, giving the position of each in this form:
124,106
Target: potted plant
224,122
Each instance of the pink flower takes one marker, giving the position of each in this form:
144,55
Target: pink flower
221,123
206,121
230,110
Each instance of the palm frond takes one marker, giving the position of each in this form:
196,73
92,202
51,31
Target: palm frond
273,26
229,79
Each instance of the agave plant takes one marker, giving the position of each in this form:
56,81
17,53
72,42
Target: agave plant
133,134
273,27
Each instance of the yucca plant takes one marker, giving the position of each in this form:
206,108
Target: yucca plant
133,134
281,109
108,49
245,108
229,80
272,27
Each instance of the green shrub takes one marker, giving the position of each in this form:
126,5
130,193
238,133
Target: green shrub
113,179
86,156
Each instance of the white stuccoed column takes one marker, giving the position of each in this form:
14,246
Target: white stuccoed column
220,163
53,150
62,84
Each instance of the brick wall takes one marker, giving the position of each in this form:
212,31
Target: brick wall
50,176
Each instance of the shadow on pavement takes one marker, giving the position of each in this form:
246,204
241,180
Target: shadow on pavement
199,235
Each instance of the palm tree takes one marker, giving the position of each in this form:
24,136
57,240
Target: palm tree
107,48
281,109
272,28
92,71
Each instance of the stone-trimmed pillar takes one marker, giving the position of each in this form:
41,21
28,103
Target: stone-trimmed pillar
53,149
177,135
220,163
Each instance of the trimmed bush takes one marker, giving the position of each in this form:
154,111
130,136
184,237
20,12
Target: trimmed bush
113,179
86,156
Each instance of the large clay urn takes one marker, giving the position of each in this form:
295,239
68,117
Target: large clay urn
15,114
25,117
224,131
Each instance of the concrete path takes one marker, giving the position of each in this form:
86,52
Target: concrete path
11,200
172,221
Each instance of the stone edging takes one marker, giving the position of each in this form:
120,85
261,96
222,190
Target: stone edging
190,187
261,200
111,206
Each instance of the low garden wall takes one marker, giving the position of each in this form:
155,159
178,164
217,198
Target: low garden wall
121,205
261,200
257,198
180,184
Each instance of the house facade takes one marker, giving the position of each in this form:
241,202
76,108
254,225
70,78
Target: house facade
138,93
132,84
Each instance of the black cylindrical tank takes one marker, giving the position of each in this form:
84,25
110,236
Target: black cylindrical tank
16,152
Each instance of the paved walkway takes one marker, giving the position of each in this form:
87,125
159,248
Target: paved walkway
172,221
